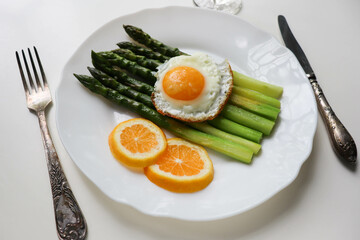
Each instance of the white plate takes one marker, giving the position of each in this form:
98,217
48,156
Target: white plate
84,120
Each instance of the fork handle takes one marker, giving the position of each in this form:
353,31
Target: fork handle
70,222
341,140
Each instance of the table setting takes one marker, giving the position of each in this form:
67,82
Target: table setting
280,151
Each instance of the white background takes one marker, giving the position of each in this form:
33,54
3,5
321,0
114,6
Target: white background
322,202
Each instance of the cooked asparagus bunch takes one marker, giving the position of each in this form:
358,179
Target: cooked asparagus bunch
252,112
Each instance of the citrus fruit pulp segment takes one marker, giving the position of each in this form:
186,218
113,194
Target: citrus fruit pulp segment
137,142
138,138
180,160
183,167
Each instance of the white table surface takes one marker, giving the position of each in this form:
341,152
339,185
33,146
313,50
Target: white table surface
322,203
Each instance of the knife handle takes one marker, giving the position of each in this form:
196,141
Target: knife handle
341,139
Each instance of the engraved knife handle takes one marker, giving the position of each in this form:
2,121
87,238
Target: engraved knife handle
70,222
341,140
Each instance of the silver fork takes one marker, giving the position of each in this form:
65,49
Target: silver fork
70,222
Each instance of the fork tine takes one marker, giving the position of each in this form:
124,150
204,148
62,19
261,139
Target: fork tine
41,68
28,72
22,75
39,86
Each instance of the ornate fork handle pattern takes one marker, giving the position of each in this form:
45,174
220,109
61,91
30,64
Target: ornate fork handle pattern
70,222
341,139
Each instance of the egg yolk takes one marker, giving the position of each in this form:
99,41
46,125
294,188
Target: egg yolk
183,83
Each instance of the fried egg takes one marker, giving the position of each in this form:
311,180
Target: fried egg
192,88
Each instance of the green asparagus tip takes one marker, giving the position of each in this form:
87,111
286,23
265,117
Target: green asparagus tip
96,57
87,81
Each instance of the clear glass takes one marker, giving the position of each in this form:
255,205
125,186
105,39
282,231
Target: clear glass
228,6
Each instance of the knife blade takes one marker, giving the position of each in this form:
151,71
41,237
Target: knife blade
341,140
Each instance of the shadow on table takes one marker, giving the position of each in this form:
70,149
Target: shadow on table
352,167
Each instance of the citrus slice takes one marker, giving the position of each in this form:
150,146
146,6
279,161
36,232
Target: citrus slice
137,142
183,167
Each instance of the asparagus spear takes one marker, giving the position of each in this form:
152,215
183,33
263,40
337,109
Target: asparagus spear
125,90
130,66
257,96
146,52
236,129
256,107
205,127
228,148
104,65
260,86
141,60
140,36
248,119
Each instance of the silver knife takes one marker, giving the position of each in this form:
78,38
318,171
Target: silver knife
342,142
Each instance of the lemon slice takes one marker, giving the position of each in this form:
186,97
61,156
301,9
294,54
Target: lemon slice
137,142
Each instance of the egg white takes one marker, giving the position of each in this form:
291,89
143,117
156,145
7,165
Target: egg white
218,84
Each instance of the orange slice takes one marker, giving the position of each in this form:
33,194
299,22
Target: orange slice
183,167
137,142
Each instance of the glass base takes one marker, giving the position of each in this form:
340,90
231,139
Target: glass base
228,6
